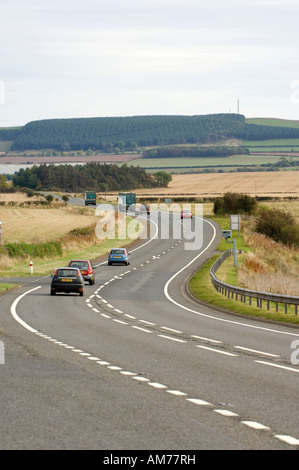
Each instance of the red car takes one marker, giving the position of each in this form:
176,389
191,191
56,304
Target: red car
86,269
186,214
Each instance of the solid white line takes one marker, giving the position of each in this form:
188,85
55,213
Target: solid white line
14,312
278,366
256,351
217,350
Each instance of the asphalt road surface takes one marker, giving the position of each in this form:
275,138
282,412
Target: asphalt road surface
138,364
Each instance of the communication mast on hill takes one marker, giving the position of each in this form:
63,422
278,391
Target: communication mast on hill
238,108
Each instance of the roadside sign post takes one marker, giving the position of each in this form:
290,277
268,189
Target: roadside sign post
228,234
235,223
0,230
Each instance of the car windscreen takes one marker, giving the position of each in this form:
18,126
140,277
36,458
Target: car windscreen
67,273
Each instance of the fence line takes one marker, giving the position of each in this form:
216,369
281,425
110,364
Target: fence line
261,297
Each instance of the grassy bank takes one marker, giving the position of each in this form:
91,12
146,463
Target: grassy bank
201,287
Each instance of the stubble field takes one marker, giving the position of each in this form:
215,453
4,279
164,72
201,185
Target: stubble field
268,183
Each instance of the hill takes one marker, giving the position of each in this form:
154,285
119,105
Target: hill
117,134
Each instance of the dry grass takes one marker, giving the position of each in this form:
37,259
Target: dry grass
39,225
270,266
19,197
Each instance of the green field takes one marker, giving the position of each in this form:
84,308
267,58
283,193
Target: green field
201,163
273,122
286,143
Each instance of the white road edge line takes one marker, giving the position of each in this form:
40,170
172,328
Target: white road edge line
16,316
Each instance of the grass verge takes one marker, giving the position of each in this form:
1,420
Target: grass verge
6,286
201,287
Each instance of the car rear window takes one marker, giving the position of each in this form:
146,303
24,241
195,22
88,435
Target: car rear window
79,264
67,273
117,252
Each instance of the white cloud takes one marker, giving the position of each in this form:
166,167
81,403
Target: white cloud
93,57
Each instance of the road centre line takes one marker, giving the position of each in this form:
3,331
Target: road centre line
255,425
216,350
147,322
207,339
171,329
172,339
180,332
141,329
120,321
226,413
256,351
197,401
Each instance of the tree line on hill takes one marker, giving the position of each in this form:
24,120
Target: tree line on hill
194,151
112,134
106,133
129,133
88,177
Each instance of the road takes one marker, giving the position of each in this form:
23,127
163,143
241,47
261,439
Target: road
138,364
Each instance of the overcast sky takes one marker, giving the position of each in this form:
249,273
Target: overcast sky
86,58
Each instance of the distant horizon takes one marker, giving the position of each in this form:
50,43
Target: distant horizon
139,115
